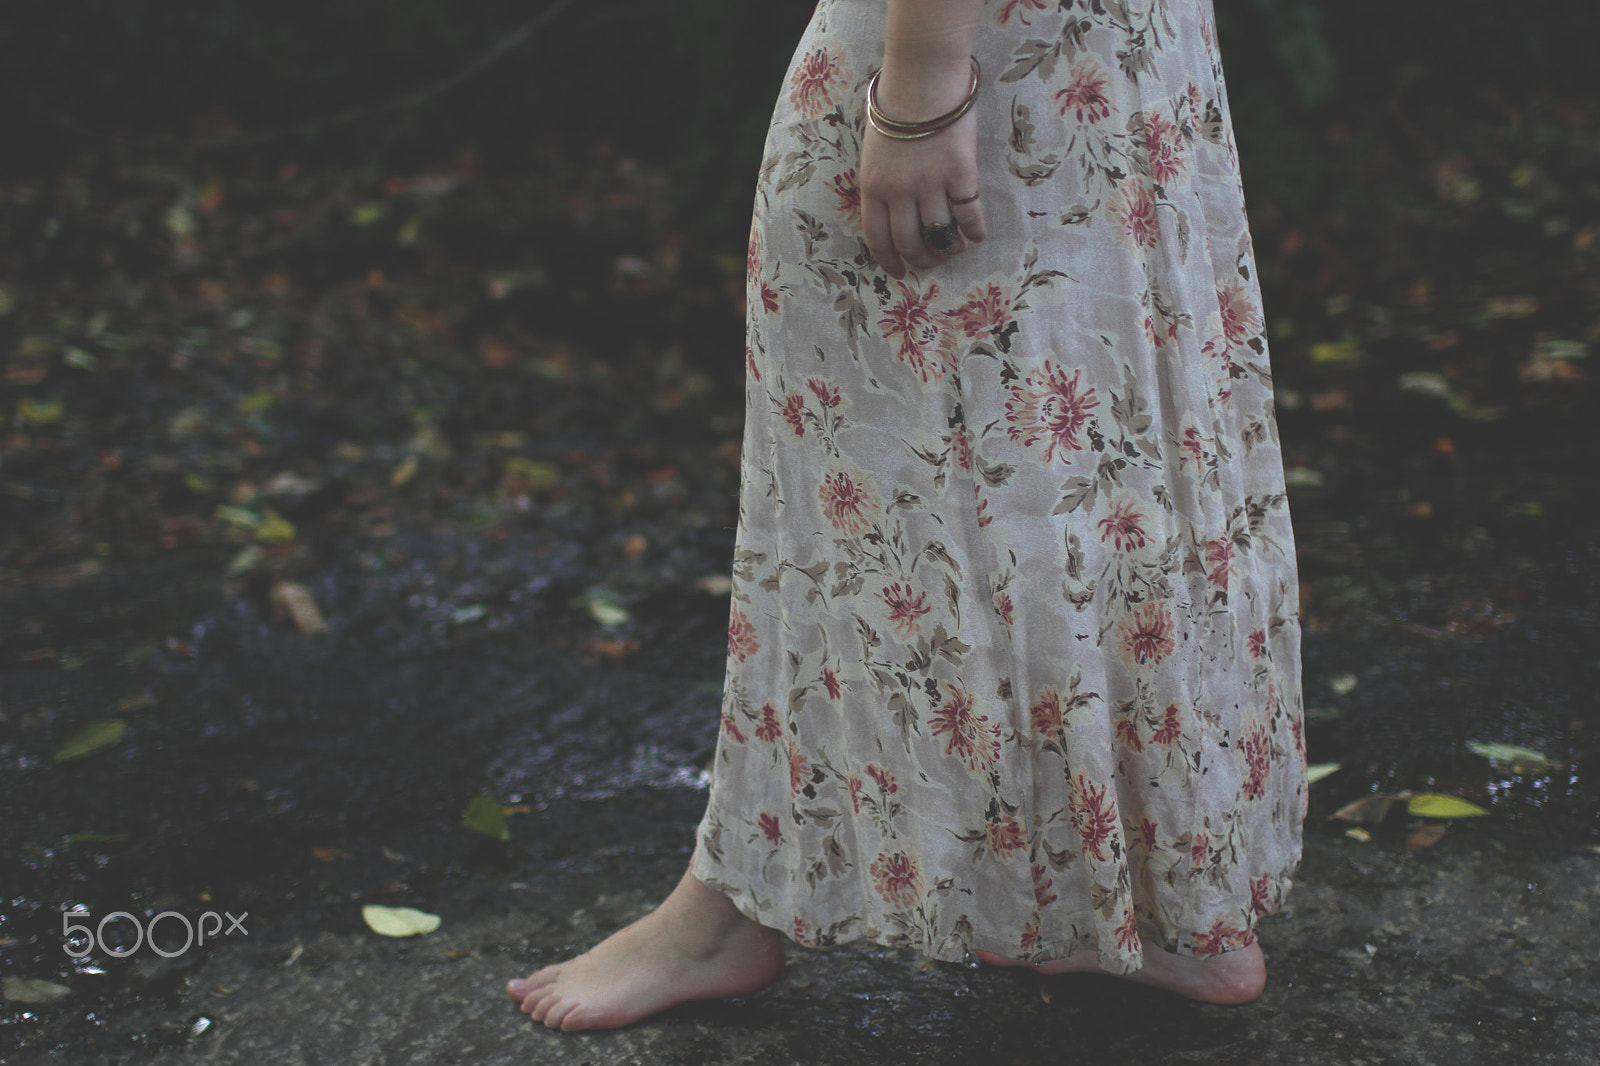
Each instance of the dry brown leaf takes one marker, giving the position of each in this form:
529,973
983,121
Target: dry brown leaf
1425,837
615,649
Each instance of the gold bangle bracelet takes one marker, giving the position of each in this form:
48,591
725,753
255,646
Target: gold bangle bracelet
911,131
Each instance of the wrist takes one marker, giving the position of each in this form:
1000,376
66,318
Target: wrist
917,91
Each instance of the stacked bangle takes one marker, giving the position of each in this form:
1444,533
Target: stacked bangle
914,131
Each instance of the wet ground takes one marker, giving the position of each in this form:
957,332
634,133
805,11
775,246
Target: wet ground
502,469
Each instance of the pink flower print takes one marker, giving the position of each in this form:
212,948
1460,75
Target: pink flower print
847,189
1200,848
1240,318
1134,212
1147,834
794,413
769,828
1260,894
897,878
812,85
1128,734
1004,609
1086,95
767,295
970,736
1220,938
1191,105
1192,448
1048,406
1257,642
826,391
1219,557
1030,937
961,449
742,639
1147,635
799,772
984,517
1122,526
1256,747
1164,141
1128,931
848,502
802,932
1006,836
769,730
905,608
923,342
1042,896
1020,8
752,254
856,785
830,681
730,729
1094,816
886,782
750,363
1045,714
985,310
1170,729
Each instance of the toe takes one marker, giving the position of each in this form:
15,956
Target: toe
992,959
558,1010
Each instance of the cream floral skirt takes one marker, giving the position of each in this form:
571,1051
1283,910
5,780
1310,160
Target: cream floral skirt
1014,647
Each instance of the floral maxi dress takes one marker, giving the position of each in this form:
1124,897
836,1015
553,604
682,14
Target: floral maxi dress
1014,645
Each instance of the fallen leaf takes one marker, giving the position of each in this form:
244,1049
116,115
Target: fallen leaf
634,546
615,649
1372,809
1425,837
1342,684
296,601
1355,832
1521,760
398,921
330,854
404,472
1435,805
274,529
136,703
90,738
33,990
1317,771
715,584
484,815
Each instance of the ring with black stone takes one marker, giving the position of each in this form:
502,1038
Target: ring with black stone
940,238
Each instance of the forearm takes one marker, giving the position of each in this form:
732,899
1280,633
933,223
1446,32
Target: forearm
927,50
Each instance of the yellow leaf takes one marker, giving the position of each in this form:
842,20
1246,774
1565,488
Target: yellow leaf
1367,809
275,529
90,738
398,921
33,990
1435,805
1317,771
366,214
1520,759
1355,832
1343,351
404,472
39,412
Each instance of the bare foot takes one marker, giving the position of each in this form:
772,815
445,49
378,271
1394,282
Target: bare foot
1232,977
696,945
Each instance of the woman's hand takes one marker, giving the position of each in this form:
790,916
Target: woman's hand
909,186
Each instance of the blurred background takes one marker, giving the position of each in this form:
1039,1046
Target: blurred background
371,402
